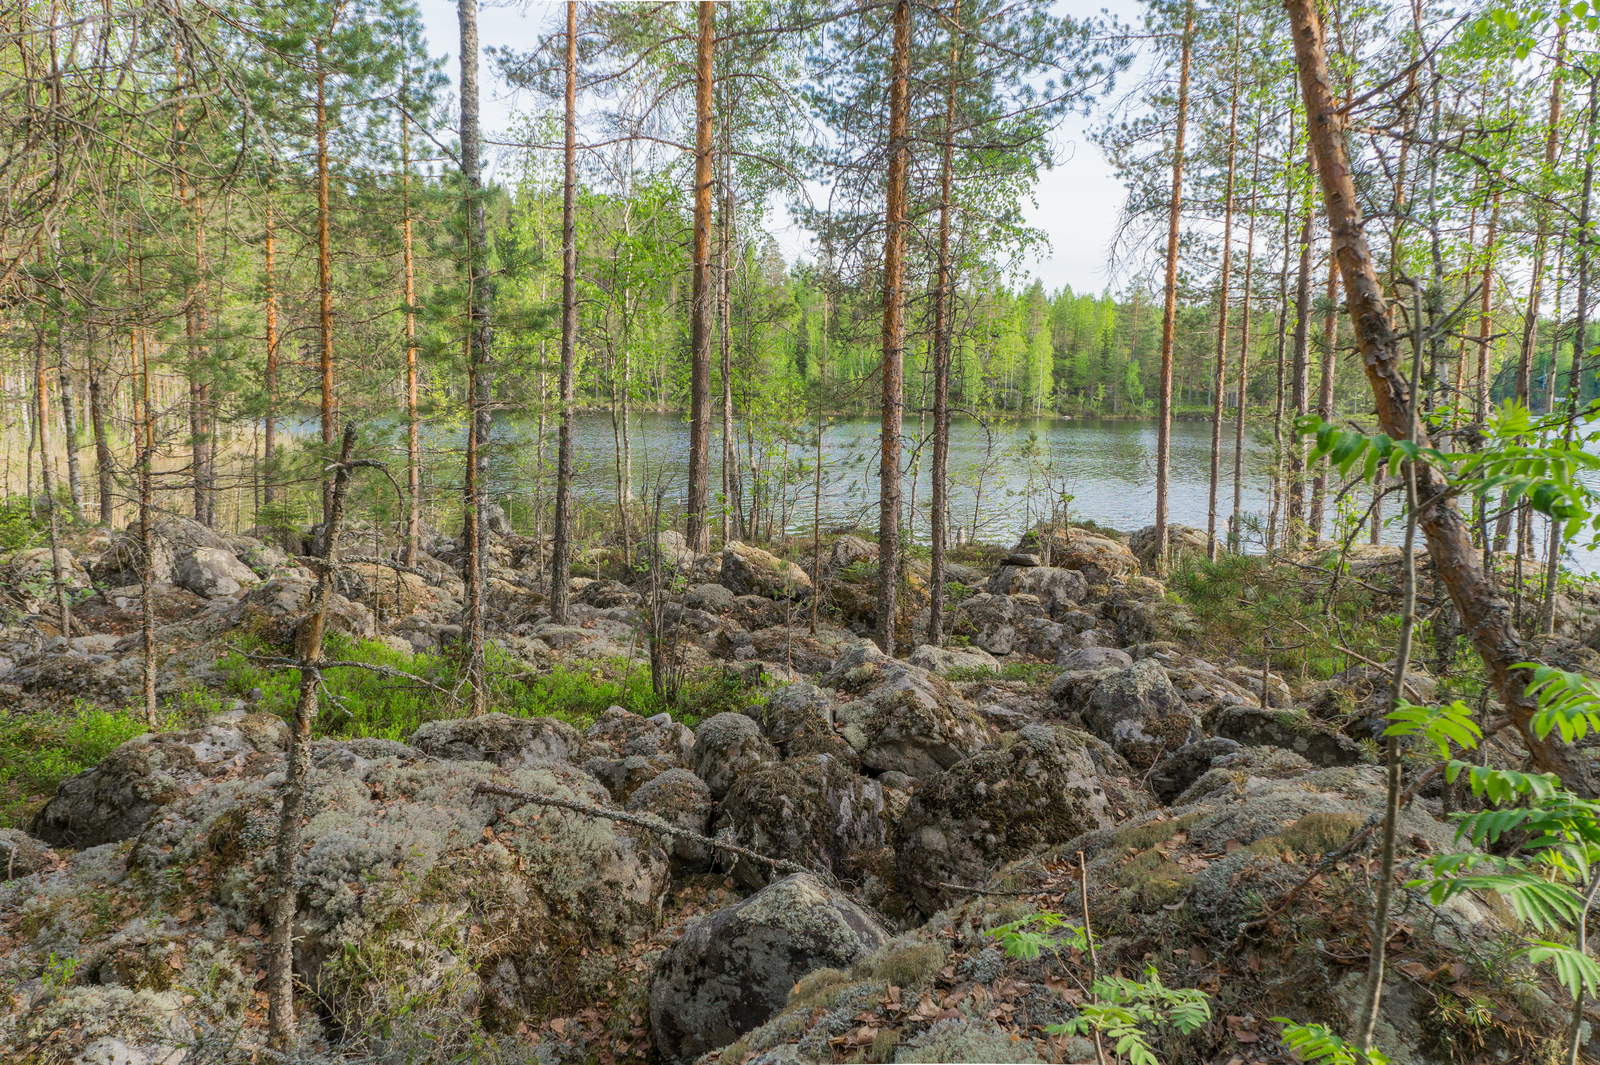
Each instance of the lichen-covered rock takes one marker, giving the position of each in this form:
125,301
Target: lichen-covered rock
1039,786
857,668
172,538
733,970
1357,699
816,811
101,1026
507,742
1318,743
1237,772
1058,590
112,801
990,621
848,550
391,592
1181,540
726,747
630,750
748,570
212,572
1080,658
799,720
911,721
942,660
1140,714
683,800
274,609
1180,769
1099,558
22,855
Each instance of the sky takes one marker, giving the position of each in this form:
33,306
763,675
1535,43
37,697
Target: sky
1076,203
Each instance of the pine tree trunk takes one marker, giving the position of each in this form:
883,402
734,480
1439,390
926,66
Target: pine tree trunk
561,549
1219,373
1169,318
413,422
324,277
697,529
731,497
940,472
1486,618
1295,516
104,464
1330,336
269,430
1235,526
894,332
479,373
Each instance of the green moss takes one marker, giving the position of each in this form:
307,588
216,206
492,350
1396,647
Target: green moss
1155,880
1320,833
913,966
818,988
883,1045
1141,837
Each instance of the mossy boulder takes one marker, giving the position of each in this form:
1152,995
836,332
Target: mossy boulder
1316,742
114,800
1031,789
1139,712
733,970
913,722
1057,590
727,746
501,740
799,719
748,570
816,810
683,800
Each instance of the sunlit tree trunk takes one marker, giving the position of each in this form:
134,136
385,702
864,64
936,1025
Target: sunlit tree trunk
104,463
561,549
1235,527
1330,337
1219,373
940,471
413,422
894,331
1169,318
324,276
697,530
479,338
269,430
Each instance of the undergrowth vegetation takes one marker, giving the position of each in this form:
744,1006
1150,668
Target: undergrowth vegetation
39,750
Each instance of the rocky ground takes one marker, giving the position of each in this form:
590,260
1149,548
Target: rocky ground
1070,751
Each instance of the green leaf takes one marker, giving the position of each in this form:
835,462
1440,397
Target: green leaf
1577,972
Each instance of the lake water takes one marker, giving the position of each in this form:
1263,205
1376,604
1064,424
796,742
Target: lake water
1004,474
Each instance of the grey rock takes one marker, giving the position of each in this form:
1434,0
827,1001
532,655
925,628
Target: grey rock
942,660
1058,590
1093,658
213,573
1180,769
1318,743
748,570
1139,713
682,800
726,747
21,854
734,969
1036,787
508,742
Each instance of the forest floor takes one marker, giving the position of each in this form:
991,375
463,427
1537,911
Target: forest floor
1162,761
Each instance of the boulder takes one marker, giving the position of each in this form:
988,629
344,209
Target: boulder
1237,772
816,811
1180,769
391,592
857,668
1318,743
748,570
799,720
507,742
22,855
627,733
682,800
726,747
1033,788
1181,540
990,621
1070,658
670,548
1099,558
911,721
1140,714
1058,590
274,609
212,573
113,801
171,539
942,660
714,599
734,969
33,566
848,550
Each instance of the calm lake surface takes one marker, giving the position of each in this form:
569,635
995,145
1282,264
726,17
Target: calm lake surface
1004,475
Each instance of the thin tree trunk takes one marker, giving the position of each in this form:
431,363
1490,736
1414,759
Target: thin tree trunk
940,472
1235,527
1283,351
285,892
730,455
1295,516
1486,618
1169,318
324,276
697,530
561,549
413,422
269,430
1330,337
1219,374
894,332
69,430
104,464
479,338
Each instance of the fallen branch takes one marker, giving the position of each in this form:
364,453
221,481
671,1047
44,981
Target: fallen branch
653,824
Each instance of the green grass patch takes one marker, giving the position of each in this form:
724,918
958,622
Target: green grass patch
40,750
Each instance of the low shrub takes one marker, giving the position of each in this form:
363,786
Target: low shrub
40,750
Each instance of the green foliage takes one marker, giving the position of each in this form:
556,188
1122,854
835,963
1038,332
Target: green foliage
40,750
1440,726
1122,1009
58,972
1028,937
1568,702
1315,1043
17,527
